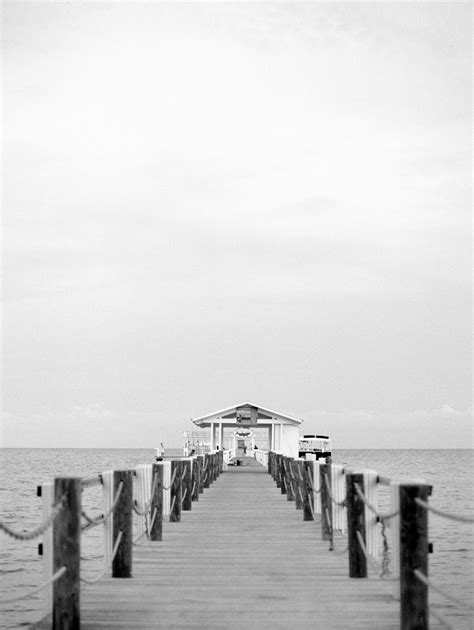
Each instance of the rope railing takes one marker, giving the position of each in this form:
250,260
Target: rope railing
454,600
37,531
172,504
340,552
107,567
383,566
381,516
149,519
290,481
311,482
37,589
441,619
173,477
87,482
154,485
152,521
140,540
137,510
460,518
328,488
90,519
407,522
146,510
331,530
385,549
103,518
71,524
300,494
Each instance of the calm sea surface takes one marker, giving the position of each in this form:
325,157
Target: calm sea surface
449,471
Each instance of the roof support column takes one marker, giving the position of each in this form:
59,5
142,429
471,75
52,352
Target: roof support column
213,440
221,436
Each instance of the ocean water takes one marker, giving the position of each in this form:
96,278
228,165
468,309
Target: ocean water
451,566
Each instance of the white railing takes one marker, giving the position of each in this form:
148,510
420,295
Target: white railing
261,457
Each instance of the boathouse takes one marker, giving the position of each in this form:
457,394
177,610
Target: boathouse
281,429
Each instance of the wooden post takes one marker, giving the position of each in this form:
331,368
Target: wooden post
206,471
176,490
187,485
210,468
214,467
413,555
290,490
355,523
156,503
297,471
326,505
200,461
122,522
270,465
283,474
294,473
278,470
221,462
308,494
195,479
66,552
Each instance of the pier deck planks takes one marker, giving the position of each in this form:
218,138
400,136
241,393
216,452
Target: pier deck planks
243,557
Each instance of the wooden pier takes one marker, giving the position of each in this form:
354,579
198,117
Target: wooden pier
269,542
242,557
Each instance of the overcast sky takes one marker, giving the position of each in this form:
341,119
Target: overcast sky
211,203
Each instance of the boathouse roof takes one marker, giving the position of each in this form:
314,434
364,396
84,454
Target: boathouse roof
246,413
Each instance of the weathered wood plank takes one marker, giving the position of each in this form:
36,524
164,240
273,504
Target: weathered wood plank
156,529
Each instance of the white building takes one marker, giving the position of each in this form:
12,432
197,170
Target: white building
247,421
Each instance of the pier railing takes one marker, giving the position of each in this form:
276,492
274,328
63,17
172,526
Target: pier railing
346,502
134,504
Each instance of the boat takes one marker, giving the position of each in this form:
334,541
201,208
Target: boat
319,445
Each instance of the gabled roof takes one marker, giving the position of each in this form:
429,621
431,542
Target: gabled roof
229,415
